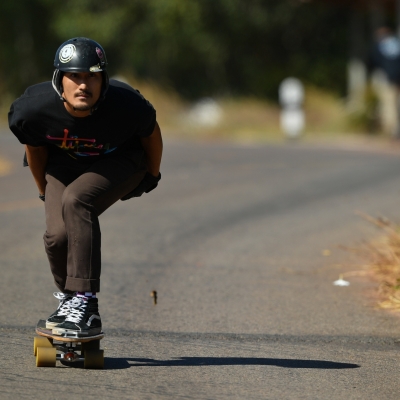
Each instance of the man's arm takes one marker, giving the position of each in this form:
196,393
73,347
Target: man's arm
37,160
153,147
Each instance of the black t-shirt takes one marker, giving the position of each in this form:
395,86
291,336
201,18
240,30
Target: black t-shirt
39,118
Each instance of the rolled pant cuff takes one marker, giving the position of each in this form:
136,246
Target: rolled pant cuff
82,285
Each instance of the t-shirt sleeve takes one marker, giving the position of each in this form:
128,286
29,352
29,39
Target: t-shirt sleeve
147,121
20,126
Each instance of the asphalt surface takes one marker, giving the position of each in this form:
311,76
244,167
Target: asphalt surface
242,245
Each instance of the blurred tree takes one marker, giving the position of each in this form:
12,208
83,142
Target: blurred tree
28,47
199,47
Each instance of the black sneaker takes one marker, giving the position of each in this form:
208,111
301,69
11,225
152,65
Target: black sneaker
83,318
58,316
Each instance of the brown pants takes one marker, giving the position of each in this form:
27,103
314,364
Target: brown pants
74,200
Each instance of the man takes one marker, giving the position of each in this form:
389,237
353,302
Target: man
89,142
385,56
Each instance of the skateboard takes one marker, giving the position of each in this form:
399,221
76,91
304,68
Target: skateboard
48,348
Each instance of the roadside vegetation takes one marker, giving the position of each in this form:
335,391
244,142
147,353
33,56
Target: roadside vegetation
382,262
248,119
244,119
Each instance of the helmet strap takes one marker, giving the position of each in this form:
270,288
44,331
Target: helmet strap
56,83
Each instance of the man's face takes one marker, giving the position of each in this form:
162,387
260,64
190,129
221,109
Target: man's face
81,91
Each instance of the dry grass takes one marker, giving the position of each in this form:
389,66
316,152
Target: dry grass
383,262
325,113
246,119
242,119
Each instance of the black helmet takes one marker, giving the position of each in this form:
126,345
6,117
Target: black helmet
80,55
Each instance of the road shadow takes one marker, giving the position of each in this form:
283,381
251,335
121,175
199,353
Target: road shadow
122,363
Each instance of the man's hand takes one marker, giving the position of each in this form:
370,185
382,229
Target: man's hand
147,184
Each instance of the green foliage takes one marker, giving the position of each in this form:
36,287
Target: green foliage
27,49
198,47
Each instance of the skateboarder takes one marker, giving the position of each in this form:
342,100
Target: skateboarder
89,141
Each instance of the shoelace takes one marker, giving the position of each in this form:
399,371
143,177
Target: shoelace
63,309
60,295
76,310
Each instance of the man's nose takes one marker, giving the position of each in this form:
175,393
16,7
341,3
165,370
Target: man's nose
83,82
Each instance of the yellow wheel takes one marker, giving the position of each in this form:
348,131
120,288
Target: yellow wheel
40,341
46,357
92,345
94,359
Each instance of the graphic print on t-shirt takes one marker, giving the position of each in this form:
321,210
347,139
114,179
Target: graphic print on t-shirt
76,146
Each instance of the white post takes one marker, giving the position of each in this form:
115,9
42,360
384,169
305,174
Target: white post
291,97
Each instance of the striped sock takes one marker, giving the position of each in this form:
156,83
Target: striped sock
88,295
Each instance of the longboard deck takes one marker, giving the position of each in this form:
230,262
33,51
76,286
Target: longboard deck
41,330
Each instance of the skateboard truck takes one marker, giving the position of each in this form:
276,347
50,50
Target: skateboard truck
71,356
67,352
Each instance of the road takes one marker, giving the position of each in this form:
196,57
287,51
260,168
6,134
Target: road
242,244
